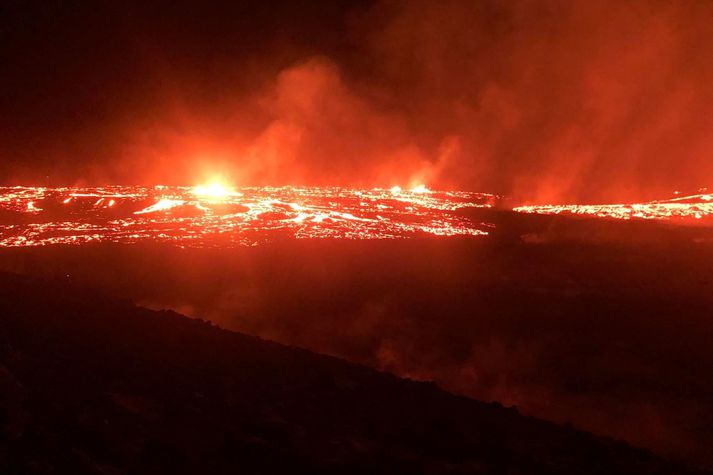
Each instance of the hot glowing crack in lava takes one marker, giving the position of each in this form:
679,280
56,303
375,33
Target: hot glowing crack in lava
218,215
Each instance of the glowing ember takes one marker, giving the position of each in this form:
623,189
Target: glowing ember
216,215
684,209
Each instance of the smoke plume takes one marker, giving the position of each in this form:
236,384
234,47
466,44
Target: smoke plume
545,101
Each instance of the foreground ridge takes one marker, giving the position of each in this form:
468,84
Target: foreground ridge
92,385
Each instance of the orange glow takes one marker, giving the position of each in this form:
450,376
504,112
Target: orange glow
417,189
187,217
686,208
162,205
420,189
215,190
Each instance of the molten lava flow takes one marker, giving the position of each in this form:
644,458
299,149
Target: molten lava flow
162,205
217,215
683,209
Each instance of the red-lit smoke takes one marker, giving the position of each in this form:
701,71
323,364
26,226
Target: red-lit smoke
544,101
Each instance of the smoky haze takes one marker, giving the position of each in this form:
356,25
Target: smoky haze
543,101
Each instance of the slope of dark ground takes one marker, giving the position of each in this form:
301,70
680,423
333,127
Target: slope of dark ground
90,385
602,324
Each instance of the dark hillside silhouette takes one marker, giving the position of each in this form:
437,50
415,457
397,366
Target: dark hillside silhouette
91,385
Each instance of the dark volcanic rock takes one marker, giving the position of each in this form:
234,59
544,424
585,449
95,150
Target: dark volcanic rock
90,385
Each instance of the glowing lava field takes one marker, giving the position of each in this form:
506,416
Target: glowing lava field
216,215
685,209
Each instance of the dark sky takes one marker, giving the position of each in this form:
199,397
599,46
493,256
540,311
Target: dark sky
543,100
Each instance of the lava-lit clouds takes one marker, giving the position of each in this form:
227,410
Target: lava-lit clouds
306,126
323,133
556,100
546,101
